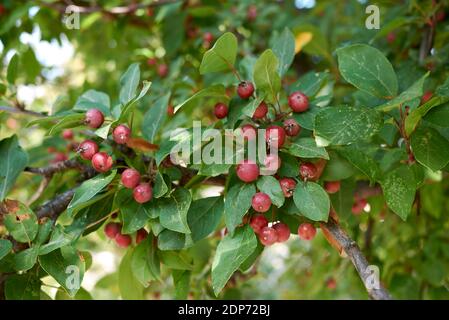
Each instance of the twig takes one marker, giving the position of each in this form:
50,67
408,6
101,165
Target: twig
58,167
42,186
357,258
22,111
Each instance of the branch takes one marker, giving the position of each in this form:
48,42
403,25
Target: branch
357,258
59,167
54,207
21,111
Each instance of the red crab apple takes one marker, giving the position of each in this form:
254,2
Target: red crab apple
283,231
123,240
249,132
162,70
291,127
102,162
247,171
130,178
220,110
308,170
261,111
67,134
358,206
272,163
141,234
268,236
112,229
258,222
332,186
94,118
245,89
306,231
87,149
288,186
298,102
275,136
170,110
121,134
208,37
143,193
59,156
261,202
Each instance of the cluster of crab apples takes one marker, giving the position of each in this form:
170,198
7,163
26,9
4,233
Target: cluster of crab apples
248,171
102,162
113,230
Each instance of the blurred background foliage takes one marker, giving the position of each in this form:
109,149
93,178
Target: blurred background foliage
168,38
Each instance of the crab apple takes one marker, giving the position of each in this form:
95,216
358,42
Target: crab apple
308,170
288,186
291,127
426,97
162,70
112,229
141,234
247,171
59,156
170,110
121,134
249,132
261,111
258,222
143,193
251,13
87,149
51,150
268,236
283,231
67,134
220,110
275,136
151,62
272,163
102,162
332,186
391,37
245,89
94,118
130,178
306,231
123,240
261,202
331,283
298,101
358,206
208,37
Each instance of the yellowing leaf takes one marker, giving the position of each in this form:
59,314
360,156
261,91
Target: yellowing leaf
302,39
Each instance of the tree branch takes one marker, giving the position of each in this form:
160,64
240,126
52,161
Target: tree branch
357,258
59,167
21,111
54,207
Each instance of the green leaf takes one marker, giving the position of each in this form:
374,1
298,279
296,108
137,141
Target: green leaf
252,105
306,148
82,294
439,116
44,231
103,132
318,44
231,252
310,83
130,288
134,215
66,267
430,148
11,72
145,262
221,56
216,91
59,238
368,69
155,117
131,105
178,260
342,201
13,161
11,18
337,168
266,75
271,186
284,48
88,190
289,165
174,210
70,121
237,202
23,287
171,240
129,82
93,99
204,216
312,201
20,221
416,115
5,248
413,92
181,279
361,161
160,187
399,189
346,125
307,119
26,259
